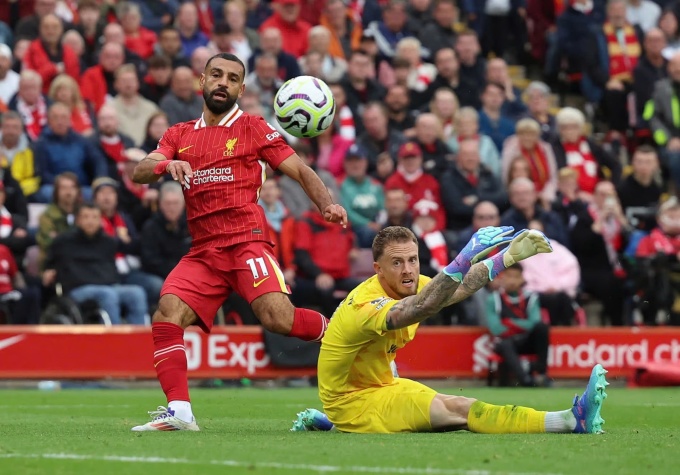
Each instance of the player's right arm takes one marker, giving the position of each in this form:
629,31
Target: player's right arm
162,161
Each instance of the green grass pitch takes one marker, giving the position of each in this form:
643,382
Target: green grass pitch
245,431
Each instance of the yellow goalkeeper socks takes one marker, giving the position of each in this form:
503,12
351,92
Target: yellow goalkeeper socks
490,419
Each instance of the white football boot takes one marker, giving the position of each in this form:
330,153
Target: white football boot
164,419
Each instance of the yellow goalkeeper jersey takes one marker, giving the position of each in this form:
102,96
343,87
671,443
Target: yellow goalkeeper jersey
357,349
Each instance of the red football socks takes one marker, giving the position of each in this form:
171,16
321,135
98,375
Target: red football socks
170,360
308,325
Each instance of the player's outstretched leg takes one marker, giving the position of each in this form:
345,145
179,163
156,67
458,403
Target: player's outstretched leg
277,314
583,418
170,361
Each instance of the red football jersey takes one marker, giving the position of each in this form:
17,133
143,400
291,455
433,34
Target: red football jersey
8,269
228,161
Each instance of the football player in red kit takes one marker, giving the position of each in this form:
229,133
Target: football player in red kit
220,160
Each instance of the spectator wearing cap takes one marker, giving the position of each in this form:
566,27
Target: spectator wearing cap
492,121
16,153
433,249
361,196
111,144
538,102
60,149
271,41
391,28
448,77
119,225
345,28
422,189
244,40
428,135
439,32
156,83
59,215
9,79
48,56
467,183
190,33
182,104
360,88
97,84
165,236
137,38
294,31
83,261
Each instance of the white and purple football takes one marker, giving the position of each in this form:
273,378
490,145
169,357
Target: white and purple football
304,106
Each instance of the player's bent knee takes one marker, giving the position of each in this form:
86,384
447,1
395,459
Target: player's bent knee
458,405
275,312
171,309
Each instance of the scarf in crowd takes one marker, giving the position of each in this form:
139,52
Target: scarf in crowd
5,223
623,55
113,148
663,243
109,226
613,240
347,128
410,177
538,165
275,216
35,117
436,244
580,158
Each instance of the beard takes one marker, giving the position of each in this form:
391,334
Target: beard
218,107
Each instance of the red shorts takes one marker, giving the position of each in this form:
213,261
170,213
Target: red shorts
204,279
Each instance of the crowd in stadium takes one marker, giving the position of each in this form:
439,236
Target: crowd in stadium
557,115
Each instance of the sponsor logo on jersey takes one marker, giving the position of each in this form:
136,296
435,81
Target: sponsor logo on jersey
272,136
393,349
380,303
184,149
213,175
229,147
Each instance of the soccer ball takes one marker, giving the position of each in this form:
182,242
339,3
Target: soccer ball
304,106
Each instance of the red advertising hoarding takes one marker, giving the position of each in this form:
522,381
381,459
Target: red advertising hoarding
84,352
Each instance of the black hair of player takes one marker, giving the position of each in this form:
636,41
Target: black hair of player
227,57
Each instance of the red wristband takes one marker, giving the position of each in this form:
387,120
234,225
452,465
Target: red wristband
160,168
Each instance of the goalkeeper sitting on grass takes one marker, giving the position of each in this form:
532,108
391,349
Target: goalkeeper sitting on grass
356,385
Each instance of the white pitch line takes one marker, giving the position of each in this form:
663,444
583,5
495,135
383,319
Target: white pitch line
61,406
270,465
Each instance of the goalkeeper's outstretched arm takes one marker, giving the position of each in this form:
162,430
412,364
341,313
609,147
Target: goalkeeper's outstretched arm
440,292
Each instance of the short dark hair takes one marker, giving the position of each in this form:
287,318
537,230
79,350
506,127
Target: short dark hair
168,28
158,61
645,148
454,3
390,235
494,84
86,205
221,28
227,57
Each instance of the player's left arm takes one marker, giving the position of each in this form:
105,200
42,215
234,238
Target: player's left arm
296,169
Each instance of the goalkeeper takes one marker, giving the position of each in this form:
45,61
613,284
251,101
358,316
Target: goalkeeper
356,385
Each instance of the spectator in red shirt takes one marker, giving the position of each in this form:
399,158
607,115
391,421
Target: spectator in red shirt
422,189
48,57
97,83
286,19
137,38
322,258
